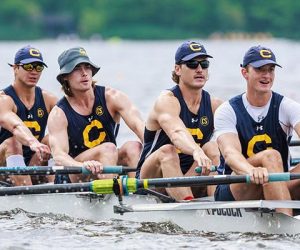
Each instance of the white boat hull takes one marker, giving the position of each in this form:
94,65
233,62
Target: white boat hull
201,216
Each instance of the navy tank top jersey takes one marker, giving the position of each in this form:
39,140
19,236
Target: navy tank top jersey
258,136
200,126
35,118
88,131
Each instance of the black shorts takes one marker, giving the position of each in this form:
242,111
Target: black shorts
223,193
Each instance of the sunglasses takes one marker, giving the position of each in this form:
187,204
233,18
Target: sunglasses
193,64
31,66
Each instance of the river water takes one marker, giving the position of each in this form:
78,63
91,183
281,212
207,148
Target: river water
142,70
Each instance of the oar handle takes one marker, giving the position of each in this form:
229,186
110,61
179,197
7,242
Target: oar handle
118,169
106,170
199,169
278,177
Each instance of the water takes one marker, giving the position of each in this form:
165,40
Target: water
142,70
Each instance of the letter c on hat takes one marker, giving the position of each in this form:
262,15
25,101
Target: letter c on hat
82,52
265,53
195,47
34,52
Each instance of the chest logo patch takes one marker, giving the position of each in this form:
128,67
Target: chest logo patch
204,121
99,111
40,112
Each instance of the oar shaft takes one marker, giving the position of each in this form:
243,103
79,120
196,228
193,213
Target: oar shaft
294,143
295,161
191,181
44,170
131,185
39,170
45,189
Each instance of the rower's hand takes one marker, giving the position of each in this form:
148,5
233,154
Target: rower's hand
95,167
259,175
203,161
42,151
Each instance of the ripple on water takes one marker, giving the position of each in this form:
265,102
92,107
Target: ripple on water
37,231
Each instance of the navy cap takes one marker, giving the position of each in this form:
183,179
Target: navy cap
70,58
28,54
189,50
258,56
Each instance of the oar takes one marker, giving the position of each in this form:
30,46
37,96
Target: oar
44,170
130,185
295,161
294,143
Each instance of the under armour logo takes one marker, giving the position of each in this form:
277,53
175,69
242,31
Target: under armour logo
259,128
194,120
260,118
90,118
29,116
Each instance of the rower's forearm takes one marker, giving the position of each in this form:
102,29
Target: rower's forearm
184,142
237,163
64,159
23,135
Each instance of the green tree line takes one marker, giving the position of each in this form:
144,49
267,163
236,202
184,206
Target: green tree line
146,19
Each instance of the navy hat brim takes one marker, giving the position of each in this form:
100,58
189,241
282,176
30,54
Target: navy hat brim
31,60
191,56
69,67
261,63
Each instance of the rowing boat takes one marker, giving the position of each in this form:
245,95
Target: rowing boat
95,201
201,214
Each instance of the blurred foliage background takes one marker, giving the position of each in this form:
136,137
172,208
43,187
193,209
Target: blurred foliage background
147,19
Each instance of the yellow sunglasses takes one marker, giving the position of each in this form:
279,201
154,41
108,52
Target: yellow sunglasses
31,66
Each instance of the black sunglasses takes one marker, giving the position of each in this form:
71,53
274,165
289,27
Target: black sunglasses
30,66
193,64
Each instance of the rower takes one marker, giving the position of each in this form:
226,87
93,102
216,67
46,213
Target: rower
23,116
84,124
180,125
253,131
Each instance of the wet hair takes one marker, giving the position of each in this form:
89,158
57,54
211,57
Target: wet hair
65,86
175,77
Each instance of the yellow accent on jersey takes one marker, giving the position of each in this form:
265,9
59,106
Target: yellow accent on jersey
196,132
258,138
33,125
85,134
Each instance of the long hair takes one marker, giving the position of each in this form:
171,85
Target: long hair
175,77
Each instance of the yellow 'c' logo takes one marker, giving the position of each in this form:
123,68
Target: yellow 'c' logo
258,138
40,112
99,110
82,52
204,121
33,125
35,52
88,128
265,53
195,47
